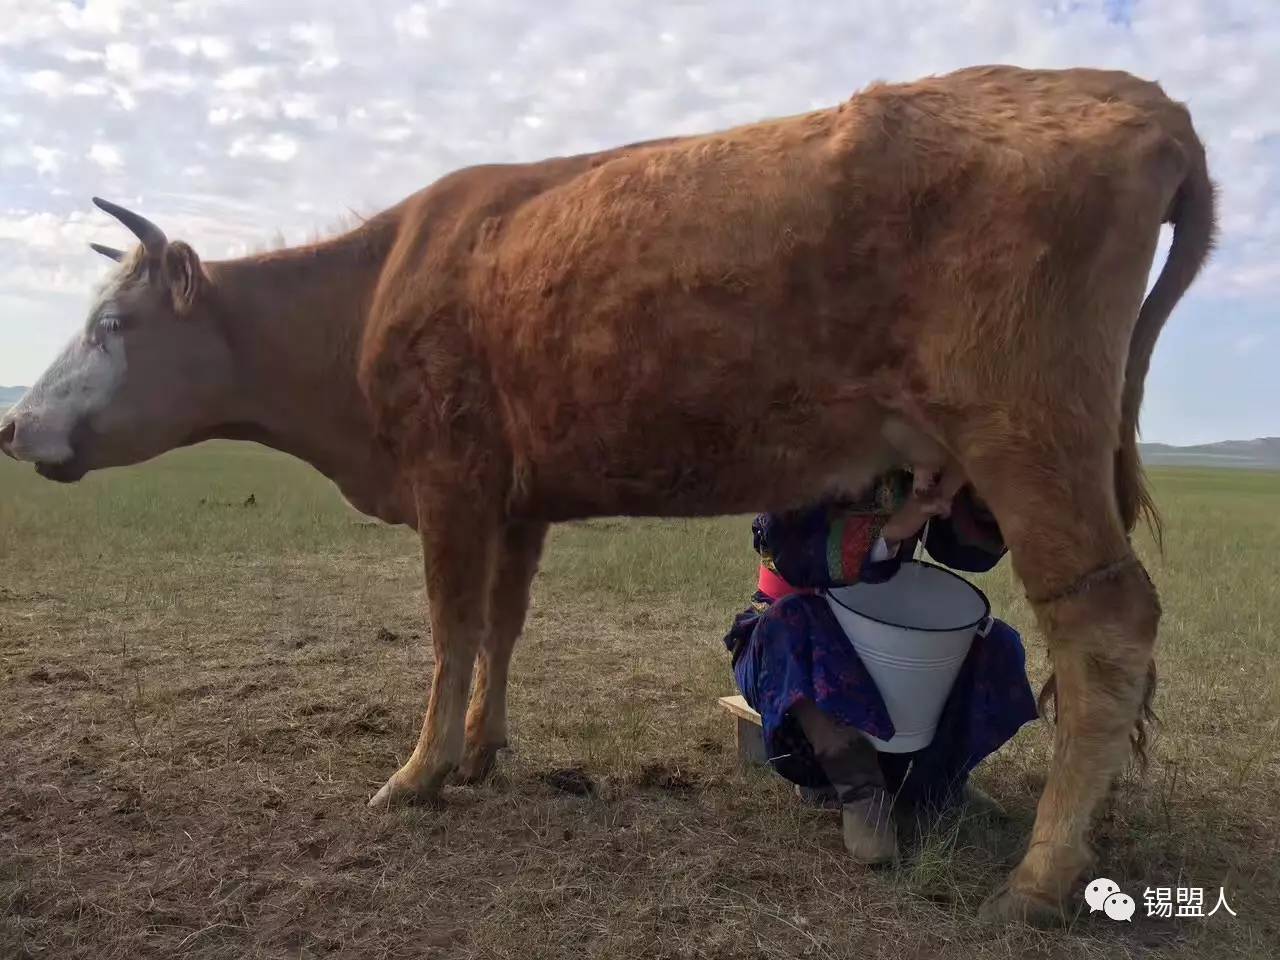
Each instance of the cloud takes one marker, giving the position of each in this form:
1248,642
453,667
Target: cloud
276,147
123,58
49,82
415,21
211,48
48,160
242,78
105,156
296,111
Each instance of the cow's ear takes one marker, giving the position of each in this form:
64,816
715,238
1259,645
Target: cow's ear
184,275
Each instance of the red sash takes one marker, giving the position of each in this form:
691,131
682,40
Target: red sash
774,587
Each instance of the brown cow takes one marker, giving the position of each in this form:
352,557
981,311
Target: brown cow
707,325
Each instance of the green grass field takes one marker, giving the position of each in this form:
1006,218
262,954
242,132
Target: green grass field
201,694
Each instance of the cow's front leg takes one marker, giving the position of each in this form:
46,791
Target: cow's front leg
460,538
521,547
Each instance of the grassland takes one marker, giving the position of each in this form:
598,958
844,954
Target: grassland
200,695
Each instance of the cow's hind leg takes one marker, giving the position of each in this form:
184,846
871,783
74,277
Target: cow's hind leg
520,550
460,541
1057,508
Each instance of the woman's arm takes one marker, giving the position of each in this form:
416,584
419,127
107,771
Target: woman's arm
828,545
838,544
821,547
969,539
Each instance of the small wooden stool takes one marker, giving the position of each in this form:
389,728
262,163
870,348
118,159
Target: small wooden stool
749,735
751,751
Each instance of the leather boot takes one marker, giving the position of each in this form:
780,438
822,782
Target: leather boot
979,804
869,830
870,834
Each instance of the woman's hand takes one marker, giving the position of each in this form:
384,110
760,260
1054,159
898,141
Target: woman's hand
931,497
907,522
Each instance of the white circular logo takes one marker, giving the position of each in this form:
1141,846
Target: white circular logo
1119,906
1096,893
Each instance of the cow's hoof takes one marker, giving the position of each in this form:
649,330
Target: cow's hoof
403,790
1008,905
478,763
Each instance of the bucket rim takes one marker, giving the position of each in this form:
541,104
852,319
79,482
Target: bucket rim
986,604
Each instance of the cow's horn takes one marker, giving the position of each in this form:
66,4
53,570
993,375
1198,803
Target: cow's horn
106,251
152,237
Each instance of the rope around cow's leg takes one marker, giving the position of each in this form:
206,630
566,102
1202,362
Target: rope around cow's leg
1095,577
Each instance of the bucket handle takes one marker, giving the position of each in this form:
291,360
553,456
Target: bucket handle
985,625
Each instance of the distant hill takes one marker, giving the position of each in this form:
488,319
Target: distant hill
1263,453
10,395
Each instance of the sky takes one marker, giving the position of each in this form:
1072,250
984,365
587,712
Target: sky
235,125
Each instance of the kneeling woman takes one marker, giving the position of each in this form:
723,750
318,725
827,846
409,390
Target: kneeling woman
793,663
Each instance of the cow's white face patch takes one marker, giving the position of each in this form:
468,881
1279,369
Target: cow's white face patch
76,388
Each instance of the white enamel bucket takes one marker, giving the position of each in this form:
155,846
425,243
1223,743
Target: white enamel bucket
912,633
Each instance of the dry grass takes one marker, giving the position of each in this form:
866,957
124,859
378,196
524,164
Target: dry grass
201,695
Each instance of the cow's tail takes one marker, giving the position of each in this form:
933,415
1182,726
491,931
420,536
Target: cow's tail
1192,216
